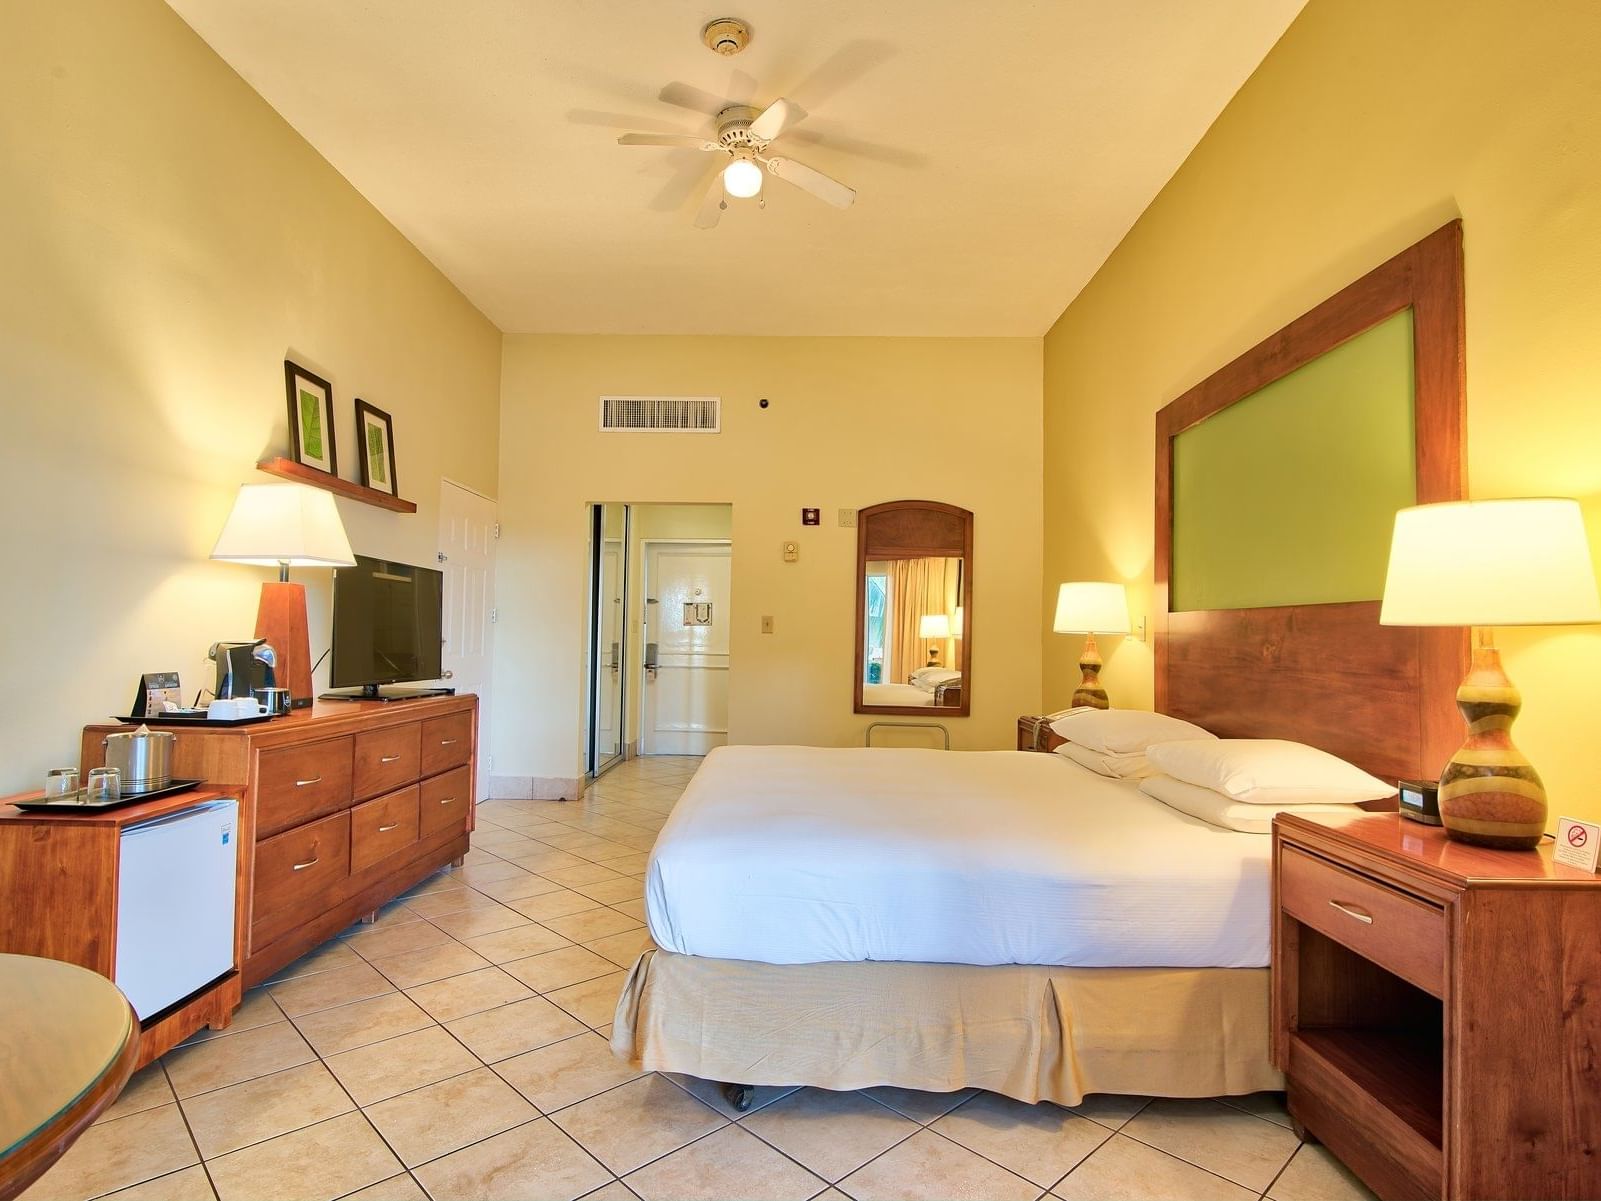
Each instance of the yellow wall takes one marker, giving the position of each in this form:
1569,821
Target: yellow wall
167,241
853,422
1369,125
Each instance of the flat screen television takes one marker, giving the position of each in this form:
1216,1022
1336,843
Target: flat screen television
387,626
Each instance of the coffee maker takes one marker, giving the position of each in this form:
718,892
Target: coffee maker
243,667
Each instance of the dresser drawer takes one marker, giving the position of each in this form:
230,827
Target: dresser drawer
446,801
1398,932
386,759
299,875
297,783
378,829
446,742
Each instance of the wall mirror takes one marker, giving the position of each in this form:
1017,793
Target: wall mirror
914,609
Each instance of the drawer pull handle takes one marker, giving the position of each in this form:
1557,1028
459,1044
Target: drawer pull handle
388,758
1361,915
447,742
396,826
446,800
312,862
304,783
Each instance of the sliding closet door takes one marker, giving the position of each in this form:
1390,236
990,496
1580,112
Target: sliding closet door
608,593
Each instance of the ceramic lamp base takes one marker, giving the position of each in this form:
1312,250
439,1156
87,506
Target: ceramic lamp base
1089,692
1490,793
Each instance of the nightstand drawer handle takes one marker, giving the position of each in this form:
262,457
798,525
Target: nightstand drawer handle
300,867
1361,915
304,783
447,742
446,800
396,826
389,759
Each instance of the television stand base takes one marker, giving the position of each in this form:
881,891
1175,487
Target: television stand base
372,692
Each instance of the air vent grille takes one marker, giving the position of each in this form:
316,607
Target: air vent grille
662,414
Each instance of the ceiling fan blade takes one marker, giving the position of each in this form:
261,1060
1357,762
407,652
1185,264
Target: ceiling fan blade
711,208
778,116
692,98
667,139
812,180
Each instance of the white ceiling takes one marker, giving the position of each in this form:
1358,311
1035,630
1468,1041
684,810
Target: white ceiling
1000,150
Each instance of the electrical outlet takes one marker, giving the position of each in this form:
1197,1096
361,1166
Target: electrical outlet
767,625
847,519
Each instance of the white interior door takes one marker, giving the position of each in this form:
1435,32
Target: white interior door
684,707
467,533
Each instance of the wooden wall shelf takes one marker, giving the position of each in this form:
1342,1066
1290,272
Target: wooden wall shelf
288,469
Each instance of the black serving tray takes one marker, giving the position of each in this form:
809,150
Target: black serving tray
194,719
71,805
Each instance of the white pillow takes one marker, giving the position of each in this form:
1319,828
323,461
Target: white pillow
1117,767
1123,731
1215,809
1268,771
927,678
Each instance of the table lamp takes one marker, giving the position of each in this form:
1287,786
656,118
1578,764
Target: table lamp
1487,563
934,625
284,526
1091,608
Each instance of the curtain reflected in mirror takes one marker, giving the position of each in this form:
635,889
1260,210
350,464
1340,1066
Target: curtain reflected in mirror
913,604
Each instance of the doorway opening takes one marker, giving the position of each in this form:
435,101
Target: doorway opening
660,614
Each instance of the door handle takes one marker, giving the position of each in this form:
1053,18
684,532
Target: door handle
389,759
389,827
447,674
1360,914
304,783
312,862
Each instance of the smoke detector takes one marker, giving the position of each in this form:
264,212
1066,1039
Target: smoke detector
726,36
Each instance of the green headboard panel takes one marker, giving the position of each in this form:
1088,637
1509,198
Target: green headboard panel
1288,496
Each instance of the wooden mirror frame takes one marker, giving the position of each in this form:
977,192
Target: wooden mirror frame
1329,674
914,529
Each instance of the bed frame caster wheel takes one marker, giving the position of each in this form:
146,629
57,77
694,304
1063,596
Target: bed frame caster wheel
739,1095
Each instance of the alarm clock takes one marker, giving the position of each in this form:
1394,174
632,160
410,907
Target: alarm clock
1420,800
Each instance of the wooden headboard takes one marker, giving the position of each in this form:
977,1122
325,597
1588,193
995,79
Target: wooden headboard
1329,674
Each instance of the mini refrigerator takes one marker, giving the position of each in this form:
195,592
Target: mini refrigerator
175,904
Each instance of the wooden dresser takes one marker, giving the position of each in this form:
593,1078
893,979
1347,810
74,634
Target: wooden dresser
342,807
1437,1008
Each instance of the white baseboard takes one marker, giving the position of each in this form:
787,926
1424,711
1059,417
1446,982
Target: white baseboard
535,788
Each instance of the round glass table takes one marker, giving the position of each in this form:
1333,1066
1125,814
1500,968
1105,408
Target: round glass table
68,1040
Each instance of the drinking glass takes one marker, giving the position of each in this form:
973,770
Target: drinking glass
105,784
60,782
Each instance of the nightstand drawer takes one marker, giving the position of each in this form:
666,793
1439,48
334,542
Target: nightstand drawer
1401,934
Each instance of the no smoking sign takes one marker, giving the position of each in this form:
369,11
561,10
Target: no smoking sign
1578,843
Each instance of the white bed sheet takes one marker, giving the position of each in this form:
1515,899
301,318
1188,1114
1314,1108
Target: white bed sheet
896,694
809,854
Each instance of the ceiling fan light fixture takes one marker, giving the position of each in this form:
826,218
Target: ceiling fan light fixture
742,178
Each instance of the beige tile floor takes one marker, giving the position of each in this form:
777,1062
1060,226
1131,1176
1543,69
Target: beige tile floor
457,1049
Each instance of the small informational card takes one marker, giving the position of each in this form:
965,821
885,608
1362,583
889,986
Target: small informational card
1578,843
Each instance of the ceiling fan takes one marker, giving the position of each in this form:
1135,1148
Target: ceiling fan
744,135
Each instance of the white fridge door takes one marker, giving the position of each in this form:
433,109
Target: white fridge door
175,904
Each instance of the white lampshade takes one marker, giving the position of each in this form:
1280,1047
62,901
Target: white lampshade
1522,562
742,178
934,625
273,524
1091,607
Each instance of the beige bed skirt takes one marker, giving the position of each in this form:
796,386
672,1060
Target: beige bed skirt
1033,1033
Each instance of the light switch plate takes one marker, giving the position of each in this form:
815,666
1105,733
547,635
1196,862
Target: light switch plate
847,519
792,552
767,625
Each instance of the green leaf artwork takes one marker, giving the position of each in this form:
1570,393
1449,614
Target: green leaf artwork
311,425
375,455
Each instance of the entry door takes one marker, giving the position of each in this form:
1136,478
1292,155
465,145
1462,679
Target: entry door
467,557
687,620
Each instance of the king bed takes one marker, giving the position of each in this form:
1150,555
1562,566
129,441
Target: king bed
1011,920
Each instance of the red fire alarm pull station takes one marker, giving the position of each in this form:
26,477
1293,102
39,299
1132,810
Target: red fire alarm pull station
811,517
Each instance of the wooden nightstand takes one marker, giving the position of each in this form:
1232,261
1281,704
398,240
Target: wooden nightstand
1437,1008
1035,734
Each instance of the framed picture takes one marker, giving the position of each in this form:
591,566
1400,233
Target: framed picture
376,431
311,419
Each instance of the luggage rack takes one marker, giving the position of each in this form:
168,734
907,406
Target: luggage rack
907,725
